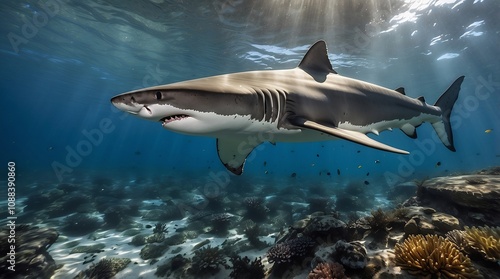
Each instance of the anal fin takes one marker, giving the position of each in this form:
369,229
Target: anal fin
233,152
349,135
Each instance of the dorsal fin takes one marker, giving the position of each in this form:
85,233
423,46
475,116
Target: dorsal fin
400,90
421,99
316,60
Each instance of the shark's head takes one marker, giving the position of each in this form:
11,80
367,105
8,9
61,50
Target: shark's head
192,110
150,104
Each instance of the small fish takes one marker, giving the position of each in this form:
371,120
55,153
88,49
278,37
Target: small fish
293,175
367,174
266,172
360,166
487,131
377,161
328,173
338,171
359,151
438,164
148,226
265,163
366,182
317,155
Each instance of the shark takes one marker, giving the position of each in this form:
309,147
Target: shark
311,102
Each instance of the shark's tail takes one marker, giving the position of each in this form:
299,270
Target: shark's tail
446,102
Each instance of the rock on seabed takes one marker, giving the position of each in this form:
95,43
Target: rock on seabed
478,195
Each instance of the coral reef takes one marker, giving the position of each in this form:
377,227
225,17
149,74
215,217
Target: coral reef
326,227
433,255
155,238
118,216
378,221
138,240
151,251
31,258
475,197
243,268
351,255
425,220
160,228
208,259
255,209
327,271
220,223
104,269
290,250
176,239
172,265
252,233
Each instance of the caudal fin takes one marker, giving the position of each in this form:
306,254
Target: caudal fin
446,102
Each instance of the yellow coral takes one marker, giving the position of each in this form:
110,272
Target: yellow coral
432,254
484,240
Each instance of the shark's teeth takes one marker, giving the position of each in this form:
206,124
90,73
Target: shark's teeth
171,118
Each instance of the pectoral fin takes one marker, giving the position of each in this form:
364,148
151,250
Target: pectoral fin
233,152
353,136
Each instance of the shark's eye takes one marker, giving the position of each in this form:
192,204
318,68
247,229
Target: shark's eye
158,95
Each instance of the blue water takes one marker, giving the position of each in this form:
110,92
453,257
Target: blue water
61,62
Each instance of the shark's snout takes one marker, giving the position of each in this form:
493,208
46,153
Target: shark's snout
126,104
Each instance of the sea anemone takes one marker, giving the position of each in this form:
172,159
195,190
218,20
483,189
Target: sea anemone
458,238
485,241
433,255
327,271
243,268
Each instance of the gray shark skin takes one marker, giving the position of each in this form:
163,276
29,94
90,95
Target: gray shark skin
308,103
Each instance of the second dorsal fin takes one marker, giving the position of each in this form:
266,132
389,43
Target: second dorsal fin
400,90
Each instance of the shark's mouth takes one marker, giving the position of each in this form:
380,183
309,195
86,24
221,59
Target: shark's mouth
172,118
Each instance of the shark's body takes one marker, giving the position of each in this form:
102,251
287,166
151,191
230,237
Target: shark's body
308,103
